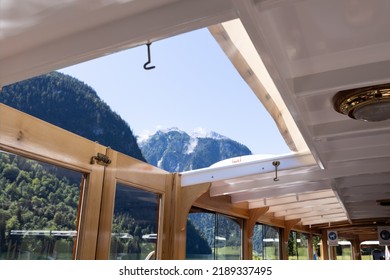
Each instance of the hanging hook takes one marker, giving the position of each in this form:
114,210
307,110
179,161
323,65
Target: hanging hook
276,163
149,59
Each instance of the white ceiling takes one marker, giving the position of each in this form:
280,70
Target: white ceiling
311,49
316,49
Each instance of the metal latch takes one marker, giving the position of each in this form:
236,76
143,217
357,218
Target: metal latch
101,159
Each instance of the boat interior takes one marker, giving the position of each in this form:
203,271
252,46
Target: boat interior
318,67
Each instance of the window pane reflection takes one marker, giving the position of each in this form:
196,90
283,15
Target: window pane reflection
227,239
213,236
38,209
135,224
303,246
298,248
265,243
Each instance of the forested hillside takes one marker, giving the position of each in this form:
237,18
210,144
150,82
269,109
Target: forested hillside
34,197
71,104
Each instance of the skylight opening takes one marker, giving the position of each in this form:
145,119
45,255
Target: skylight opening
194,87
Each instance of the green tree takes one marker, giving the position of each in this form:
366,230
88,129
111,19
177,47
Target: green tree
292,244
10,172
12,223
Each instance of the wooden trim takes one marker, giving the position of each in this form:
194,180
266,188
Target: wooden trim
310,247
28,136
324,247
286,232
269,219
89,223
249,225
78,217
356,254
132,172
107,209
182,199
34,138
223,205
164,248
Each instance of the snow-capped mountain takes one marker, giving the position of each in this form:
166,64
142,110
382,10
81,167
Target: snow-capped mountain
174,150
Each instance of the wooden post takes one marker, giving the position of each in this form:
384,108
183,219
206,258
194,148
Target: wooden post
175,222
356,255
167,229
249,225
286,232
333,253
310,247
324,247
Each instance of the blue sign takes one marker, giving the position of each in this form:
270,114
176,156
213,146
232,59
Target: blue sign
332,238
332,235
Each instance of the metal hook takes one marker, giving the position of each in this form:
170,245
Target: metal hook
149,59
276,163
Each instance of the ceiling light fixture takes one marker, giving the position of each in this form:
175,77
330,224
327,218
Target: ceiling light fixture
368,103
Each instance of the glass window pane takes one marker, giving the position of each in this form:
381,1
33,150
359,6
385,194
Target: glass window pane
227,238
135,224
39,206
265,243
292,246
271,243
200,236
257,242
213,236
303,246
317,243
298,246
344,250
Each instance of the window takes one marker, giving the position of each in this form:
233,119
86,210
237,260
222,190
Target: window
135,222
344,250
39,207
213,236
298,248
266,244
302,246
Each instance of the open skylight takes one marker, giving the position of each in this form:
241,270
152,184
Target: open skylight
194,87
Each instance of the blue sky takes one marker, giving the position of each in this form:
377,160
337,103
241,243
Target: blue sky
193,87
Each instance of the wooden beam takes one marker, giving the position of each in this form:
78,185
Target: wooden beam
166,228
324,247
265,182
293,196
312,211
182,200
249,225
296,205
310,247
356,255
286,232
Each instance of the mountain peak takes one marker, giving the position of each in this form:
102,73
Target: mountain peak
202,133
171,129
174,150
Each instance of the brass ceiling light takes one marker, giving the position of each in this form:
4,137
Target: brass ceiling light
370,104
